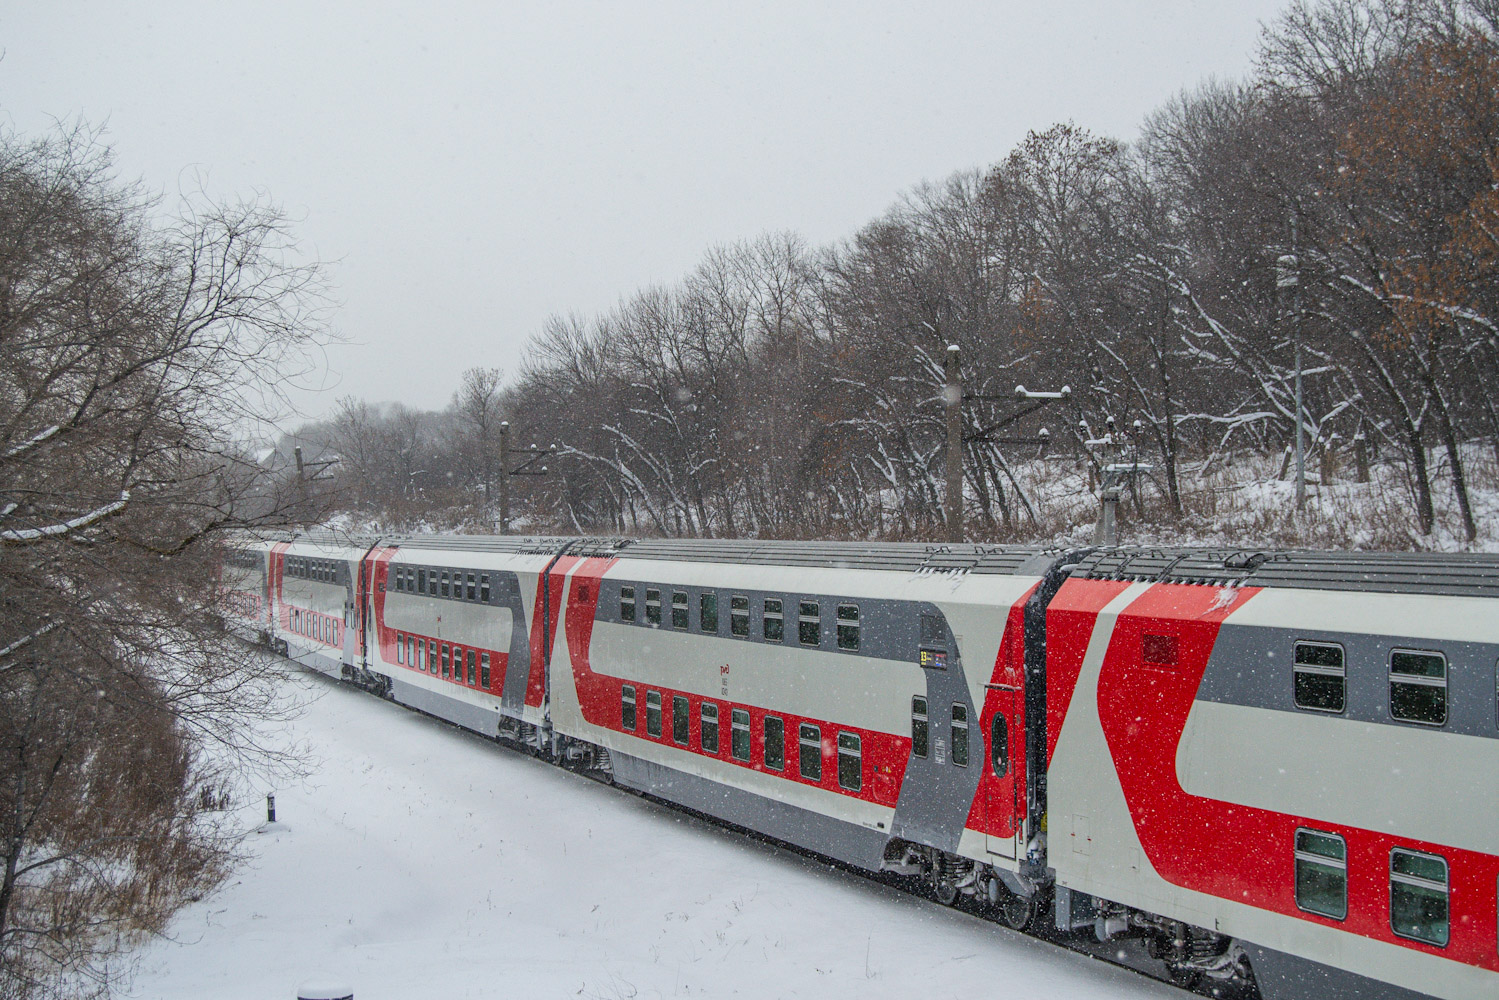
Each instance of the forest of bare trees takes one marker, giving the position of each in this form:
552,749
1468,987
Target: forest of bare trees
796,391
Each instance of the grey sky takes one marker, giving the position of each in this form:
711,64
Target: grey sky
475,167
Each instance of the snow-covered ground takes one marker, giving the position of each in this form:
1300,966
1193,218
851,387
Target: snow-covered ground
423,862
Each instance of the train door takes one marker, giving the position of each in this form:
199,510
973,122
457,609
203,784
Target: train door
1006,758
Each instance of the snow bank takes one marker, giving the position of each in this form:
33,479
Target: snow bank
423,862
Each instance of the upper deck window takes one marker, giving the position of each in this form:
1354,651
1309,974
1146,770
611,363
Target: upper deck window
1418,687
1320,677
809,624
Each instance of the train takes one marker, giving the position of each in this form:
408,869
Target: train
1277,771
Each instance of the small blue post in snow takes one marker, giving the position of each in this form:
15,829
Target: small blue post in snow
270,807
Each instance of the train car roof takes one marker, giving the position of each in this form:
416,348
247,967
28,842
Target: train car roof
1440,573
914,557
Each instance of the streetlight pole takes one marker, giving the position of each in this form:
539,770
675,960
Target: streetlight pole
504,477
1288,283
953,394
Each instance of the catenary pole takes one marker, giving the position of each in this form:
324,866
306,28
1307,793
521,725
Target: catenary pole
953,395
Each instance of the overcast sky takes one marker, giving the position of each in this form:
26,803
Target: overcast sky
471,168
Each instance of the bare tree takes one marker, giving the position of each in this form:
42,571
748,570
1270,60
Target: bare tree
133,358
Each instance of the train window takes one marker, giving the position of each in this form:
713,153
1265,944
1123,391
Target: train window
432,582
848,626
484,588
1418,687
1418,896
708,733
739,615
397,580
446,668
653,713
919,736
413,648
774,750
1320,680
739,734
850,762
627,708
960,735
1322,874
421,581
484,671
707,613
809,624
432,657
999,745
472,662
810,758
775,628
444,591
679,610
400,648
652,606
679,719
626,604
473,587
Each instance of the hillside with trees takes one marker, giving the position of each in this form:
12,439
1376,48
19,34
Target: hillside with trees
1342,199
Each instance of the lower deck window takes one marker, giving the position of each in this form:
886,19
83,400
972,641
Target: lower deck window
708,731
739,734
432,657
472,660
627,708
679,719
1322,874
1418,896
446,669
811,752
850,762
775,743
484,671
960,735
653,713
400,648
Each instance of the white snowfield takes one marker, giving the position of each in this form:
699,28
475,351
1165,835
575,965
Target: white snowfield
424,862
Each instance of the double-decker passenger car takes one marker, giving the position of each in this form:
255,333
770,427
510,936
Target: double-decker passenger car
1269,767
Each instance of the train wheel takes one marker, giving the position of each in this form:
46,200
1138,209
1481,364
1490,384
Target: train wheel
1186,978
1016,911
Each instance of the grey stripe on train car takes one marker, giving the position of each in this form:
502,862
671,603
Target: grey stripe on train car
460,713
1289,977
936,795
847,842
1253,666
888,629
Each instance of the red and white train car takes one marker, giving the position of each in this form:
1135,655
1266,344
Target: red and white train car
1291,758
1282,766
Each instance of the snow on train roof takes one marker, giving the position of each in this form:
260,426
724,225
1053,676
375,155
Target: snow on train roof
1444,573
